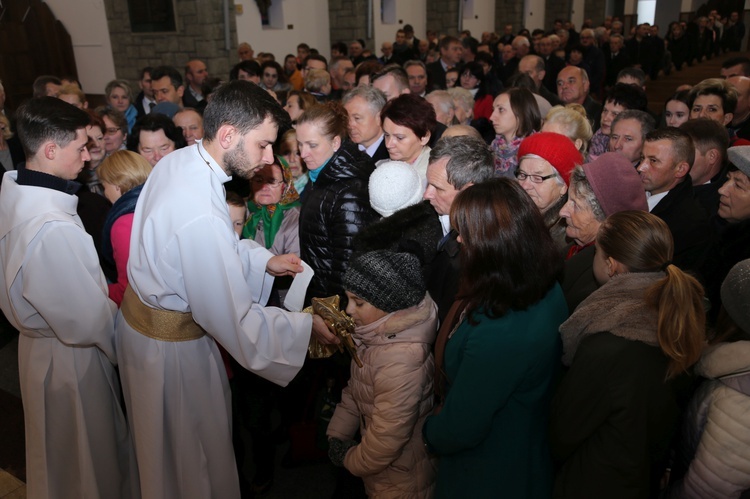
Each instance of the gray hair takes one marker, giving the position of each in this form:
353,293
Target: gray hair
462,97
469,160
415,62
442,99
646,120
582,188
374,97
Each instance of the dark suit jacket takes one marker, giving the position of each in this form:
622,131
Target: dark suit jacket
442,274
552,65
139,106
380,153
551,97
593,112
615,65
436,76
689,226
189,101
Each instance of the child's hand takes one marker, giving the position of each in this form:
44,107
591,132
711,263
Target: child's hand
284,265
321,332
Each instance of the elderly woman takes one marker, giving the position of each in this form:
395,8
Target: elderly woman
515,116
597,190
296,103
473,79
289,150
336,205
570,121
122,174
628,347
274,209
115,129
119,96
408,122
732,225
498,350
545,162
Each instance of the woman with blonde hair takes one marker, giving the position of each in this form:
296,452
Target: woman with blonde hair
122,174
570,121
119,96
628,347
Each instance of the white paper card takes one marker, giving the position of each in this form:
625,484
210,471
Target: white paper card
295,298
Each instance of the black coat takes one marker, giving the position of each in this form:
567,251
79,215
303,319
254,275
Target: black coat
689,225
435,76
578,279
334,209
443,273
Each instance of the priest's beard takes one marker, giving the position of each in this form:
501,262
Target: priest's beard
237,162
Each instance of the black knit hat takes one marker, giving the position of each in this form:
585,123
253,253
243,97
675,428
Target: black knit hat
390,281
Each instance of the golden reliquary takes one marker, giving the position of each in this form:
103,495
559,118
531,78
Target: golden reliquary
339,322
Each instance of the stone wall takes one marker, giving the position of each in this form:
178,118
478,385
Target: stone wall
508,12
557,9
348,21
200,35
442,16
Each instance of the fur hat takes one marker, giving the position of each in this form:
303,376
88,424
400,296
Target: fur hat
394,185
389,281
616,184
557,149
735,291
739,156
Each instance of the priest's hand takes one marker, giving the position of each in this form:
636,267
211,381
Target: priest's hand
321,332
284,265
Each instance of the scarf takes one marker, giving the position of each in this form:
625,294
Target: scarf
269,217
123,206
618,307
301,182
599,145
505,152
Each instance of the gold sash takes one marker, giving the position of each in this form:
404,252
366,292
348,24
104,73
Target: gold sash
162,325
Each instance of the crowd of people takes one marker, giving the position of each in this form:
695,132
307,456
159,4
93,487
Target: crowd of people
546,283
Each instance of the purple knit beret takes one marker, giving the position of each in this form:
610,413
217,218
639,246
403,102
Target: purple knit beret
616,184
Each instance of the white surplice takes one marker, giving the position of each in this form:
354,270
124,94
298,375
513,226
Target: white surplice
55,294
186,257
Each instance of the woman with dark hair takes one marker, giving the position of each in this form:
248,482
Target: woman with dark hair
273,77
628,347
515,116
95,145
408,122
364,71
498,350
677,109
296,103
246,70
154,136
474,80
336,204
712,455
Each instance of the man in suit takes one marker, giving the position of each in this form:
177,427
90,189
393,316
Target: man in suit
363,104
451,52
145,101
196,74
668,155
616,59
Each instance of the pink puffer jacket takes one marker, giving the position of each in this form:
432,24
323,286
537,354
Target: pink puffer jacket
388,400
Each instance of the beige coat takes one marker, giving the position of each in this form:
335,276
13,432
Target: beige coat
388,400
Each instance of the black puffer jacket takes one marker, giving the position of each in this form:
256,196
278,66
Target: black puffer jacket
334,209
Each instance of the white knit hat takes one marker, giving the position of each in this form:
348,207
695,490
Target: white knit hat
394,185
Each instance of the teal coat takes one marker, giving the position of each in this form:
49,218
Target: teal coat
491,435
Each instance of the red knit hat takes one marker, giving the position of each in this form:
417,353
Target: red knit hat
616,183
558,149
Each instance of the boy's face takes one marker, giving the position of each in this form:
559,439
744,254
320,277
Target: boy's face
237,214
362,312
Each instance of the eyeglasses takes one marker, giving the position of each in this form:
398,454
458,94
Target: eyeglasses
535,179
260,181
112,131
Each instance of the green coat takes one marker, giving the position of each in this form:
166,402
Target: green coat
491,435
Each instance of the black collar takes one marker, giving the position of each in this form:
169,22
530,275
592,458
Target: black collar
41,179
